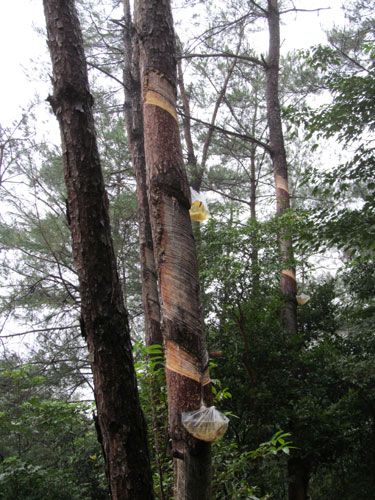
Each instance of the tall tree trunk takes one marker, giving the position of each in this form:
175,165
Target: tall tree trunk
175,255
253,199
150,297
134,127
120,421
298,473
288,278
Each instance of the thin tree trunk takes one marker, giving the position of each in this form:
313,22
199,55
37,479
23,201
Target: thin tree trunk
150,297
175,255
218,103
298,473
288,278
120,422
197,171
253,198
134,127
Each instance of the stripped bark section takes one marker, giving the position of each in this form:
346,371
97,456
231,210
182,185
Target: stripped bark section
120,422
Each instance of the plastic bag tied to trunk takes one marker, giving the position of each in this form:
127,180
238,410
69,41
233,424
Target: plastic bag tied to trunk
207,424
198,210
302,299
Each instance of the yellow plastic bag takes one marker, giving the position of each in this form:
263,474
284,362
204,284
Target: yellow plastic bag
207,424
198,210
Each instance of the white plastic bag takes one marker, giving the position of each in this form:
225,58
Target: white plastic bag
302,299
207,424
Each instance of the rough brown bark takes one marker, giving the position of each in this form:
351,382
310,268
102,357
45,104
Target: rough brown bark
120,421
150,298
174,248
134,128
288,279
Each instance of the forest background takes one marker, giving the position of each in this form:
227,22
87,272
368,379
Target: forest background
319,386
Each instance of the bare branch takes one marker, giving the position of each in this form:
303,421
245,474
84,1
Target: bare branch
92,65
304,10
233,198
216,30
230,132
264,11
351,59
119,23
39,330
252,60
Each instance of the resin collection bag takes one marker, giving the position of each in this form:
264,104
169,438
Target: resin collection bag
198,210
207,424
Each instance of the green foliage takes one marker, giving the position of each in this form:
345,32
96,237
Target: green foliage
303,384
318,386
47,445
149,365
233,477
346,68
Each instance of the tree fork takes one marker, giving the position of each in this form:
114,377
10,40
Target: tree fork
120,419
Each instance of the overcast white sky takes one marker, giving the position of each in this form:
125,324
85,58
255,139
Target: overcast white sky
20,44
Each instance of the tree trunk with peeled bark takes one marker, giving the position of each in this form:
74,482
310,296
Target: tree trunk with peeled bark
288,282
298,470
104,319
187,376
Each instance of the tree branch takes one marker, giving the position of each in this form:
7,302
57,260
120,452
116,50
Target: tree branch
39,330
258,7
92,65
229,132
304,10
351,59
253,60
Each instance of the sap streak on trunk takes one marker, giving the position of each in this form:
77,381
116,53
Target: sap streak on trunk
175,254
104,318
